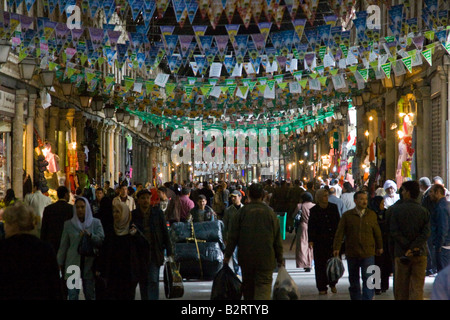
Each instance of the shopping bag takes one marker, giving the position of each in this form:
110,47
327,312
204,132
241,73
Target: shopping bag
226,285
86,246
285,287
335,269
173,282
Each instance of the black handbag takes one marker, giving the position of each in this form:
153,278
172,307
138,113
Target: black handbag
86,247
173,282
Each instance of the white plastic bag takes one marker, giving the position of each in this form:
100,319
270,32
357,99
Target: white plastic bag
285,287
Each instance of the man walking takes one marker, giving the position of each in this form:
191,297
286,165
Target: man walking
186,204
228,217
38,201
256,231
54,217
333,198
150,222
360,229
125,198
409,230
440,227
425,200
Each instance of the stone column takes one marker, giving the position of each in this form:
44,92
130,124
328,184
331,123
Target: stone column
80,124
17,143
117,132
63,127
106,132
53,127
110,149
29,152
424,116
391,142
40,121
444,140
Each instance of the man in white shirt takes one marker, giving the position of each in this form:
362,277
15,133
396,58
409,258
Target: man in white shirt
125,198
337,187
38,202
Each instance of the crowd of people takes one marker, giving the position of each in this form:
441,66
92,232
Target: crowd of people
404,232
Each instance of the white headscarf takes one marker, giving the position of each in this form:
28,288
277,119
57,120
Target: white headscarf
88,217
390,183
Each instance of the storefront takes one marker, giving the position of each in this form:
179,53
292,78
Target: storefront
7,112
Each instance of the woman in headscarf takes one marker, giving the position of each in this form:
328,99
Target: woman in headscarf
119,263
303,253
81,223
391,196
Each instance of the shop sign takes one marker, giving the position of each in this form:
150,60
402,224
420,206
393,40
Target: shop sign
7,103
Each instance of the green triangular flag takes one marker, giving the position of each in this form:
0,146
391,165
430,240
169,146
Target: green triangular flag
428,56
262,88
232,87
91,75
447,47
322,51
278,78
170,86
313,75
83,59
374,65
192,80
298,75
52,66
334,72
246,81
408,63
212,81
70,72
149,86
282,85
188,88
243,90
271,84
303,83
432,47
252,85
206,89
262,80
364,73
323,80
353,68
344,50
429,35
224,89
387,69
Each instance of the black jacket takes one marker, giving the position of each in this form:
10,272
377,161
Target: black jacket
409,227
322,224
124,257
154,228
28,269
53,220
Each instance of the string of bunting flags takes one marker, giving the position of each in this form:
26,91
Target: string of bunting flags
306,68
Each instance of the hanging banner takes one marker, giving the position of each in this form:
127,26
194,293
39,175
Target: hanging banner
264,29
192,7
232,30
